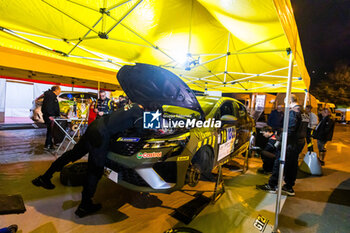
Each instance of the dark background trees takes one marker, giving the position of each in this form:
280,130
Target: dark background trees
336,87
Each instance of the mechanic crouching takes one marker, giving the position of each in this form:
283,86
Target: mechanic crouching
95,141
268,154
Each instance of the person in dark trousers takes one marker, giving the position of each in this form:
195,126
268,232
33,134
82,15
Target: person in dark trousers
50,109
268,153
103,105
312,125
95,141
324,133
275,119
292,153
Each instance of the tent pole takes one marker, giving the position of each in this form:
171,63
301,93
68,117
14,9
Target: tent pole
284,143
86,34
79,4
228,50
98,89
71,17
260,42
154,46
123,17
117,5
306,97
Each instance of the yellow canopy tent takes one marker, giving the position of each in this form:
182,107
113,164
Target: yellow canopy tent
231,46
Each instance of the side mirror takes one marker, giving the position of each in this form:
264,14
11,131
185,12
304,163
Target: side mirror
228,119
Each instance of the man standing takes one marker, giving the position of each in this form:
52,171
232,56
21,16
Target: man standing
50,109
292,154
103,105
311,126
95,141
276,119
324,133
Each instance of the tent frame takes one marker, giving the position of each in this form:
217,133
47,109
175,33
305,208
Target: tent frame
284,143
105,12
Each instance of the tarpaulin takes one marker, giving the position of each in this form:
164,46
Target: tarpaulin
231,46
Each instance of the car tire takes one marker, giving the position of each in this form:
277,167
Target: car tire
204,158
74,174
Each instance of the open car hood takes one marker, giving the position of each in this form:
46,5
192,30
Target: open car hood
153,87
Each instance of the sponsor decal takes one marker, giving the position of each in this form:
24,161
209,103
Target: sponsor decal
146,155
227,146
261,223
128,139
183,158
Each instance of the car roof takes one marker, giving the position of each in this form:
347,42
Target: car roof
208,102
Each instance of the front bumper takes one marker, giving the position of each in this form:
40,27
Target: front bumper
148,175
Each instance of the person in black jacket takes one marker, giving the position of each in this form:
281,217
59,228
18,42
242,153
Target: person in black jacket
295,143
268,154
95,141
103,105
50,109
324,133
275,119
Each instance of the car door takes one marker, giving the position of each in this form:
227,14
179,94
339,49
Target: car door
227,132
243,124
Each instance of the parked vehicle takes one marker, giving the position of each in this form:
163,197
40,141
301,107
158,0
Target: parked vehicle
338,116
165,159
65,99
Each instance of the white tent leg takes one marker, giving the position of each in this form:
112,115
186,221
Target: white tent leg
306,97
98,89
284,143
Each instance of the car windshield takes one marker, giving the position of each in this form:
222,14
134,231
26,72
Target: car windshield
207,103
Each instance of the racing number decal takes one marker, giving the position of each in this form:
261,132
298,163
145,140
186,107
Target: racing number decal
226,146
261,223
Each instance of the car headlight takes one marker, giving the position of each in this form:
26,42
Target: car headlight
164,144
174,142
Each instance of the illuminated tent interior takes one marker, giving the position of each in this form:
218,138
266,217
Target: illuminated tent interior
229,46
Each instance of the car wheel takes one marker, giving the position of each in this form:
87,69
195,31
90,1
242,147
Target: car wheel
74,174
193,175
204,158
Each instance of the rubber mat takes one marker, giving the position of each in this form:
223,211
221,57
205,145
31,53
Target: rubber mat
190,210
11,204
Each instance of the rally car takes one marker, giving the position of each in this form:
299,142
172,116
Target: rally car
166,156
65,99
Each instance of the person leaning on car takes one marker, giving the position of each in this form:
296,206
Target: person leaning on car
95,141
103,105
50,109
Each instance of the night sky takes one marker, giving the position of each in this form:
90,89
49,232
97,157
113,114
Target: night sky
324,30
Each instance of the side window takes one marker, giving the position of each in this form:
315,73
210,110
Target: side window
236,109
226,109
242,110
